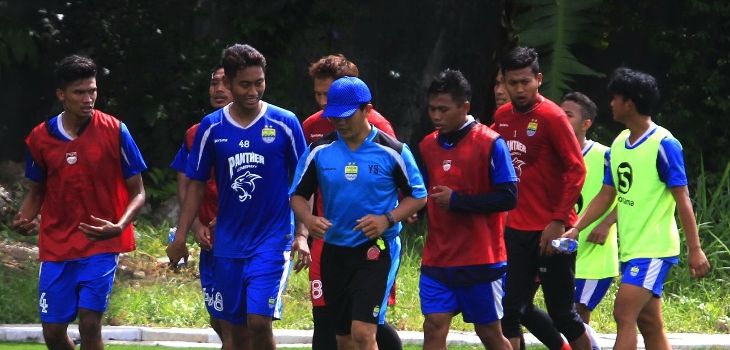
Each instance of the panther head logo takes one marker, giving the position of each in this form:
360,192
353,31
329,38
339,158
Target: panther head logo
518,166
244,185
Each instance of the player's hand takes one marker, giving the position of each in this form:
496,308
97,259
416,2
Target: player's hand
554,230
100,230
441,195
572,233
412,219
301,248
599,234
317,225
372,225
26,227
698,264
203,236
177,250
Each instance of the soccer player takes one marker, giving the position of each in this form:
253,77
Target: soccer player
85,180
253,148
547,159
646,171
536,320
358,170
596,263
323,72
472,185
219,96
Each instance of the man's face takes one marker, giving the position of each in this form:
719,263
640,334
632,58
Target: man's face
521,85
321,86
620,108
351,127
78,97
575,118
219,94
500,93
446,114
247,87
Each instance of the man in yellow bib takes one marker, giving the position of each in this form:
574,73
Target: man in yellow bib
646,177
596,263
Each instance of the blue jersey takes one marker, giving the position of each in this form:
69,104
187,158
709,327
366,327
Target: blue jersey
132,162
669,162
253,168
356,183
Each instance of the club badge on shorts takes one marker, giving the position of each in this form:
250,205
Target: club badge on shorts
351,171
268,134
71,158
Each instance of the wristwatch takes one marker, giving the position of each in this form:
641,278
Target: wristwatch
391,220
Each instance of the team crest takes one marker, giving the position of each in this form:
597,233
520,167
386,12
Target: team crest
634,271
244,185
446,164
532,127
351,171
71,158
272,302
376,311
268,134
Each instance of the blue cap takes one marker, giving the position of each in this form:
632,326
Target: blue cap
345,96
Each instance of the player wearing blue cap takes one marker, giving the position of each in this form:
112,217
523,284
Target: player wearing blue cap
359,170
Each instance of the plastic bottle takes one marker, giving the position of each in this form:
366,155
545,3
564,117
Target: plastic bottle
565,245
170,238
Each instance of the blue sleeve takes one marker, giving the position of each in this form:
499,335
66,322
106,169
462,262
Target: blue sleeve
416,189
132,162
305,177
33,170
670,163
202,154
299,144
181,159
501,163
607,178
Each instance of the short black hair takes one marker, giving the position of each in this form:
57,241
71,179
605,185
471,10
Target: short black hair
73,68
452,82
587,106
241,56
639,87
520,57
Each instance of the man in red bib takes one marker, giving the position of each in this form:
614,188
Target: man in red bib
85,180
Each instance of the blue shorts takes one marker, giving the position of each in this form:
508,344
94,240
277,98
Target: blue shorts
590,292
648,273
250,286
205,266
480,303
66,286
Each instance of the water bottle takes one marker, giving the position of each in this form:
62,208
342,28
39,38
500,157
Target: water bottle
565,245
170,238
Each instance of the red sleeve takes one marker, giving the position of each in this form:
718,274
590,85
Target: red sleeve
190,136
574,171
381,123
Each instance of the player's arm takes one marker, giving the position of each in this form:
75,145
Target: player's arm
698,264
410,183
305,184
600,232
502,197
25,221
574,171
670,166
